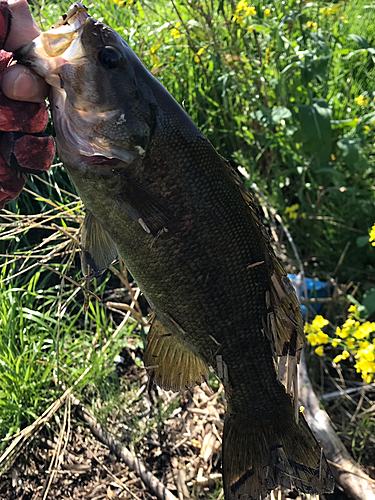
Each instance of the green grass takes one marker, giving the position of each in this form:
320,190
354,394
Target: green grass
36,322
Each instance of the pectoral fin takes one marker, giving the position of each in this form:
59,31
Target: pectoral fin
97,248
144,207
170,363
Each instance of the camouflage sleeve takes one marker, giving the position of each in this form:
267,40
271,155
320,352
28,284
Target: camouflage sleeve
24,148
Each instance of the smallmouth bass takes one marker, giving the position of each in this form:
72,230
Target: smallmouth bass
157,192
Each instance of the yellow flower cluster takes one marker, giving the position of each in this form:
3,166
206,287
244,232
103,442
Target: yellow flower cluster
362,100
153,54
312,25
243,10
327,11
354,335
176,33
292,212
372,236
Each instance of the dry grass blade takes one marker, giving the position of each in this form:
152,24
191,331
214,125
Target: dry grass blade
71,280
57,454
118,481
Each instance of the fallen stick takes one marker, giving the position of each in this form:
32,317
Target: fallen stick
353,480
151,482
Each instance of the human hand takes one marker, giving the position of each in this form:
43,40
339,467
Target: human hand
23,147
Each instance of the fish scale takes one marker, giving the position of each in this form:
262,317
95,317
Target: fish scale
157,192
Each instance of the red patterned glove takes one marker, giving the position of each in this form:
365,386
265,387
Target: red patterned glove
23,146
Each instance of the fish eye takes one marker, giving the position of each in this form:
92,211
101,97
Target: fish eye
110,58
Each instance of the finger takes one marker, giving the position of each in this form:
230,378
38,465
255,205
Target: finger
22,84
23,28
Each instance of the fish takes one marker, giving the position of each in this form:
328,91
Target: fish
158,194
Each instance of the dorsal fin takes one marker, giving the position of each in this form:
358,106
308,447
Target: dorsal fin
98,250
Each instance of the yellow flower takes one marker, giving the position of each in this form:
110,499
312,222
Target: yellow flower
335,342
319,350
250,11
155,59
242,5
267,12
176,33
372,236
322,337
364,330
367,128
350,343
321,11
154,48
337,359
353,308
312,338
250,29
344,19
344,355
130,2
356,120
333,157
361,100
302,409
319,322
238,19
292,208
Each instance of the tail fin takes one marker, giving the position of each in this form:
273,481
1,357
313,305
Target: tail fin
258,458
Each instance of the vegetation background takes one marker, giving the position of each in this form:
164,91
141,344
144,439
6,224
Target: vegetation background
285,91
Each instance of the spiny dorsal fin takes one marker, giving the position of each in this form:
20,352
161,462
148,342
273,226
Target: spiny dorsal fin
169,362
97,248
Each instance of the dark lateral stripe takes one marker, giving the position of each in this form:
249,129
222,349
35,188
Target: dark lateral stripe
241,480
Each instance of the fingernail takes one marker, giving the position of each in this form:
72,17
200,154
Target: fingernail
24,86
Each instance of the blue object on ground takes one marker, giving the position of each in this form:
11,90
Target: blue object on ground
315,289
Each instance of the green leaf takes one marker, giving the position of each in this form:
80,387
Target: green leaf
349,149
361,40
280,113
362,241
315,123
369,300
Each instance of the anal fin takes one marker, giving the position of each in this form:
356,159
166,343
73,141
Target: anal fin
169,362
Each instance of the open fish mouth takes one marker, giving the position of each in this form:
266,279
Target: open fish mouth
55,47
57,55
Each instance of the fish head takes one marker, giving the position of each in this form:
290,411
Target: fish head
101,105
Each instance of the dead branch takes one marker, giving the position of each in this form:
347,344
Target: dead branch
354,481
118,449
